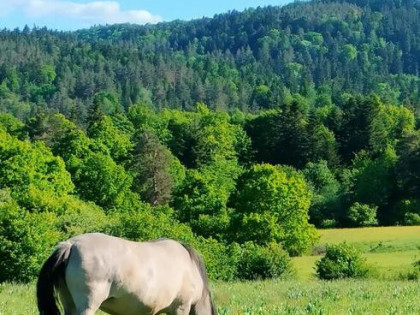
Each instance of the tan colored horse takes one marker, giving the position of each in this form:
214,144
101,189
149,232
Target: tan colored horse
97,271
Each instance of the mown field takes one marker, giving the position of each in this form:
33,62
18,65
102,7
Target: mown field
389,251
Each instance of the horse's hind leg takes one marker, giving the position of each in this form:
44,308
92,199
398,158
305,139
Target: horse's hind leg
183,309
89,297
66,298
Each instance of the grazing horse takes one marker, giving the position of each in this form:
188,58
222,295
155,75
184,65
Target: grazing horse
120,277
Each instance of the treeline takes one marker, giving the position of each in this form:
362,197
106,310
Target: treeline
246,189
256,59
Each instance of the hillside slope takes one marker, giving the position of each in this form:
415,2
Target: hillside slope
252,59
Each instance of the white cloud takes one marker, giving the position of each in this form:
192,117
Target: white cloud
95,12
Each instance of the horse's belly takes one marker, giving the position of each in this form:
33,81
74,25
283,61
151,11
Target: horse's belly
125,305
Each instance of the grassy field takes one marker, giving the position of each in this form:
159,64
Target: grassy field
277,297
375,239
388,250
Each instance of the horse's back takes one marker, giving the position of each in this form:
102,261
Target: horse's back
151,273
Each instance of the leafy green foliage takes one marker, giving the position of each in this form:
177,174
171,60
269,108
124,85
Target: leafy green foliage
98,178
221,260
30,168
411,218
201,202
258,262
341,261
407,166
157,171
407,211
281,136
77,217
142,223
107,134
26,240
354,133
271,205
362,215
374,179
326,204
12,125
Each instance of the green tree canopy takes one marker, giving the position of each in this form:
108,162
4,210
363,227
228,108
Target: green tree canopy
271,205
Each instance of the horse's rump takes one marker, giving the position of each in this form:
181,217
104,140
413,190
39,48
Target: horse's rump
50,275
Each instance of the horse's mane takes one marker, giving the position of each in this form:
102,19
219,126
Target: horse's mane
195,257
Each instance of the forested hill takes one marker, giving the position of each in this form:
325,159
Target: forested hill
254,59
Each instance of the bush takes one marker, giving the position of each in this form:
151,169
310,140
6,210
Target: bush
341,261
329,224
221,260
259,262
26,240
407,212
78,217
362,215
145,223
412,219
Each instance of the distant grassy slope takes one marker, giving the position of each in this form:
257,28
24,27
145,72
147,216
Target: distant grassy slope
389,250
375,239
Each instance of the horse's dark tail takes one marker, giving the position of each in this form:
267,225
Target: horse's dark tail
195,257
51,272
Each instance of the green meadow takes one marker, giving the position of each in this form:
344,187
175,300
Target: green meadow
277,297
389,252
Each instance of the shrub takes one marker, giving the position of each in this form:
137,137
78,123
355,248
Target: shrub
412,219
258,262
145,223
221,260
407,212
341,261
78,217
362,215
26,240
329,224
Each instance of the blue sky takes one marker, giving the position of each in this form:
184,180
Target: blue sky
75,14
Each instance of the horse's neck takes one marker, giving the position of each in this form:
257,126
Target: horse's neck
204,306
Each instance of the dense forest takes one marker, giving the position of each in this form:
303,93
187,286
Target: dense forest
256,59
238,134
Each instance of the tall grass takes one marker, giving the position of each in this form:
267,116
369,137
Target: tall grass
316,297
